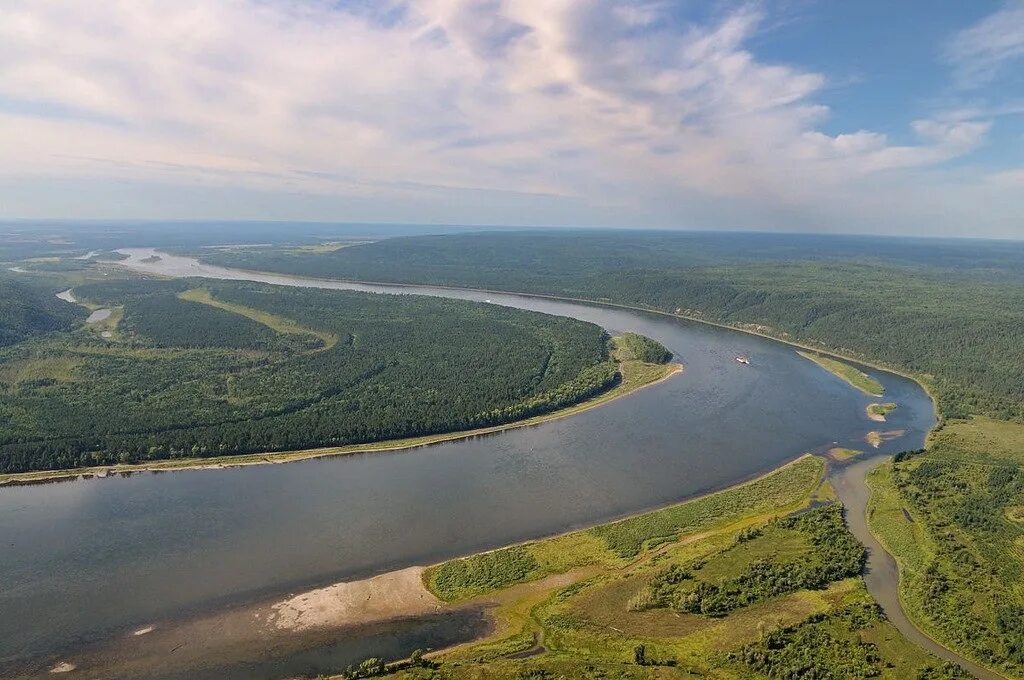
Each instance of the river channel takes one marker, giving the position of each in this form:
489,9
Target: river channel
86,560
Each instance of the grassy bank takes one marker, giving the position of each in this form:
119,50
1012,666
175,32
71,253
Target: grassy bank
950,519
862,381
620,600
634,375
618,542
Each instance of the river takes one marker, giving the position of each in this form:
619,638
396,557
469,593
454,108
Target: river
89,559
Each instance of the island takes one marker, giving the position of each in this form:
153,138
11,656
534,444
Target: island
855,377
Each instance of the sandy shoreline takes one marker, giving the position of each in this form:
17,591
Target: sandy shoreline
380,598
271,627
300,621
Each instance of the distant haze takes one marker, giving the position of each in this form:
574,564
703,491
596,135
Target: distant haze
872,117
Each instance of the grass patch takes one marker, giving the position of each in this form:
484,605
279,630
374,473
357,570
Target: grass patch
614,544
846,643
807,551
272,321
862,381
40,370
840,453
635,347
786,486
892,524
457,579
880,411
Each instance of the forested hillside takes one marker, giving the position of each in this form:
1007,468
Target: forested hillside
28,309
239,368
953,310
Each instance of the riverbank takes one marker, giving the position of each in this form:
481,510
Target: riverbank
853,377
354,608
635,375
758,330
582,615
914,530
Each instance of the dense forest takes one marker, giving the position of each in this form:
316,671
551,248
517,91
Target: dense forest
954,517
243,368
29,308
953,310
638,347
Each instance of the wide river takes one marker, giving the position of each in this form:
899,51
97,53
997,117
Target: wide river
85,560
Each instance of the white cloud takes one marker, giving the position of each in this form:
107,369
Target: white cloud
981,51
608,105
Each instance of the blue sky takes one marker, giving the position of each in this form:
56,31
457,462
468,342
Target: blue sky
878,117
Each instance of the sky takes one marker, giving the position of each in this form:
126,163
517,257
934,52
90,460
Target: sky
795,115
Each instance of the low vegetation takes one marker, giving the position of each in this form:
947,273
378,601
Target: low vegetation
833,645
809,551
948,514
628,537
615,543
880,411
843,454
586,623
859,379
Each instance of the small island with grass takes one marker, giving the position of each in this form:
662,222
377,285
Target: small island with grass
855,377
842,454
878,412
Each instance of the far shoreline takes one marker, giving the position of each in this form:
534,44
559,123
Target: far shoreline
768,333
386,446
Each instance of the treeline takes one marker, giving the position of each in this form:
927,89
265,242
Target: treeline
642,348
30,309
190,380
952,310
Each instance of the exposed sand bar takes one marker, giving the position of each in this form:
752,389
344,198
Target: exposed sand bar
384,597
239,635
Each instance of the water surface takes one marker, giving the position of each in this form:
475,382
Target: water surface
86,559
